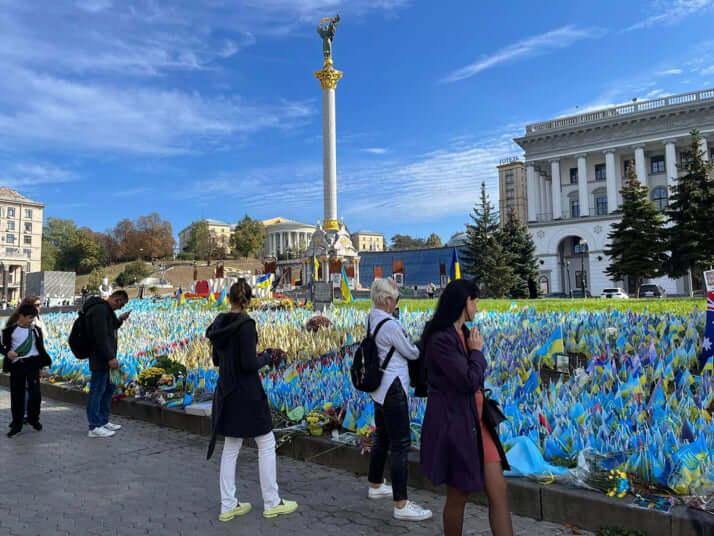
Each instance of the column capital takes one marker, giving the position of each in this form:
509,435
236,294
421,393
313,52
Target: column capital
673,141
638,146
328,76
612,150
581,155
554,161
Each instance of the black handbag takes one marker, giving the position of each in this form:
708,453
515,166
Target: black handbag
492,414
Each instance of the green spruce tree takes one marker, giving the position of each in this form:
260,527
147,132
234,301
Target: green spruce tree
638,241
517,241
485,259
691,241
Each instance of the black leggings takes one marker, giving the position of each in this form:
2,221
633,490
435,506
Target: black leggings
24,374
392,433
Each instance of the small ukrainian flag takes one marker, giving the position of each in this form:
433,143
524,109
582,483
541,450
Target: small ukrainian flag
346,293
455,272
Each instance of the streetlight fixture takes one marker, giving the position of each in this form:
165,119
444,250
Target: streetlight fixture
583,248
567,275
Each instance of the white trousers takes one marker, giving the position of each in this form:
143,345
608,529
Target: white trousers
266,469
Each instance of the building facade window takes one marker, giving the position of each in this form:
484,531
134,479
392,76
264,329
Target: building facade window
657,164
685,157
11,226
10,239
27,253
573,175
626,165
659,197
509,176
28,227
600,173
574,208
9,251
10,212
601,205
28,213
28,240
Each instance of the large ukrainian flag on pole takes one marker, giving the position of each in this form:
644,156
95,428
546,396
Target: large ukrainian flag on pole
346,293
554,345
455,272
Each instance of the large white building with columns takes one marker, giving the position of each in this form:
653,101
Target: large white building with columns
283,236
575,167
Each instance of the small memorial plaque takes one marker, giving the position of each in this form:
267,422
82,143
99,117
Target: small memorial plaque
321,292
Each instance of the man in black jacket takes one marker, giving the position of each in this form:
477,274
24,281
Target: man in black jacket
102,325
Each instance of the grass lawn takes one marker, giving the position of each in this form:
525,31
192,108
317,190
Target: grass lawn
681,306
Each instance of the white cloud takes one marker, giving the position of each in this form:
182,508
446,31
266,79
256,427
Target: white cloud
532,46
45,110
28,176
376,150
93,6
667,12
708,70
433,185
669,72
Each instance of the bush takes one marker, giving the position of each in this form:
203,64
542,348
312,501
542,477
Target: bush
171,367
132,272
186,256
95,279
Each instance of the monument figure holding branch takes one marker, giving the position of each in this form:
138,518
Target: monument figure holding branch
326,29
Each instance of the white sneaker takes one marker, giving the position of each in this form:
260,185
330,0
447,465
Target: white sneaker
100,431
384,490
112,427
412,512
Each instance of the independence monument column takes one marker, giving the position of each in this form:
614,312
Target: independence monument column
328,77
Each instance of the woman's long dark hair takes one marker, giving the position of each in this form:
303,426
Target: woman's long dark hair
451,304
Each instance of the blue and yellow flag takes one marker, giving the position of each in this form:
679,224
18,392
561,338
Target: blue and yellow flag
455,272
180,298
264,281
346,293
316,269
223,299
554,345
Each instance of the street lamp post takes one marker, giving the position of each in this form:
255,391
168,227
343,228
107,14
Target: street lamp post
583,249
567,275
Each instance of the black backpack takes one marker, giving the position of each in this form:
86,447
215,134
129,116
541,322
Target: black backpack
79,340
365,370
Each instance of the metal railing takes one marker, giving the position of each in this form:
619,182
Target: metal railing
599,115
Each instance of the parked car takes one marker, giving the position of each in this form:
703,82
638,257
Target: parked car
614,293
652,291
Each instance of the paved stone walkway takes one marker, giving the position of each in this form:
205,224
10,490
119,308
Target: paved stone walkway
153,480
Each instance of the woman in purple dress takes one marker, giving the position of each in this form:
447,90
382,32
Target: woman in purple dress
458,448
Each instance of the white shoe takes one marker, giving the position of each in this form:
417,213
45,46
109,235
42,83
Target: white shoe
384,490
412,512
112,427
100,431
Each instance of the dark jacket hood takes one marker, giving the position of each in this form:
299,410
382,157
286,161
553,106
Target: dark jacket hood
94,300
224,326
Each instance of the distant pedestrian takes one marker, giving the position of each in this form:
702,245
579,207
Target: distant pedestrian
532,288
24,350
431,289
391,404
458,447
240,406
102,326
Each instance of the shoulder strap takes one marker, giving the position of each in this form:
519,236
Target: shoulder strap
379,326
390,353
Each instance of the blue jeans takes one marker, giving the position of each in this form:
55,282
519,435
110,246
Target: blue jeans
101,391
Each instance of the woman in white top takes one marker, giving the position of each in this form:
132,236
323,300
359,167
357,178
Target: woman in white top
391,404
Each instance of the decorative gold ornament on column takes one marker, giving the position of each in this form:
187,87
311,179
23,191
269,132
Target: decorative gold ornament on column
328,75
331,225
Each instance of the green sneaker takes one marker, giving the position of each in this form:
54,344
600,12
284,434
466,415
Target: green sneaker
285,507
239,510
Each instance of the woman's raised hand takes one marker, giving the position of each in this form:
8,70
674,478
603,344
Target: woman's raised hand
475,341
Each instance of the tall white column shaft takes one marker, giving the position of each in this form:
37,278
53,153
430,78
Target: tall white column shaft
640,166
611,181
329,154
532,193
583,196
541,197
555,189
670,163
549,199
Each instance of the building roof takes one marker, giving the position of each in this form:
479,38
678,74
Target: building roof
217,222
368,233
6,194
279,220
458,239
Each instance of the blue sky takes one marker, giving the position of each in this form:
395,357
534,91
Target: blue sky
117,108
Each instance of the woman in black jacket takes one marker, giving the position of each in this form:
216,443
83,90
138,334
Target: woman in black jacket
240,406
25,354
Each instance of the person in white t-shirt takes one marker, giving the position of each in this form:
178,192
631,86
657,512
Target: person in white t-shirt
24,350
391,404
